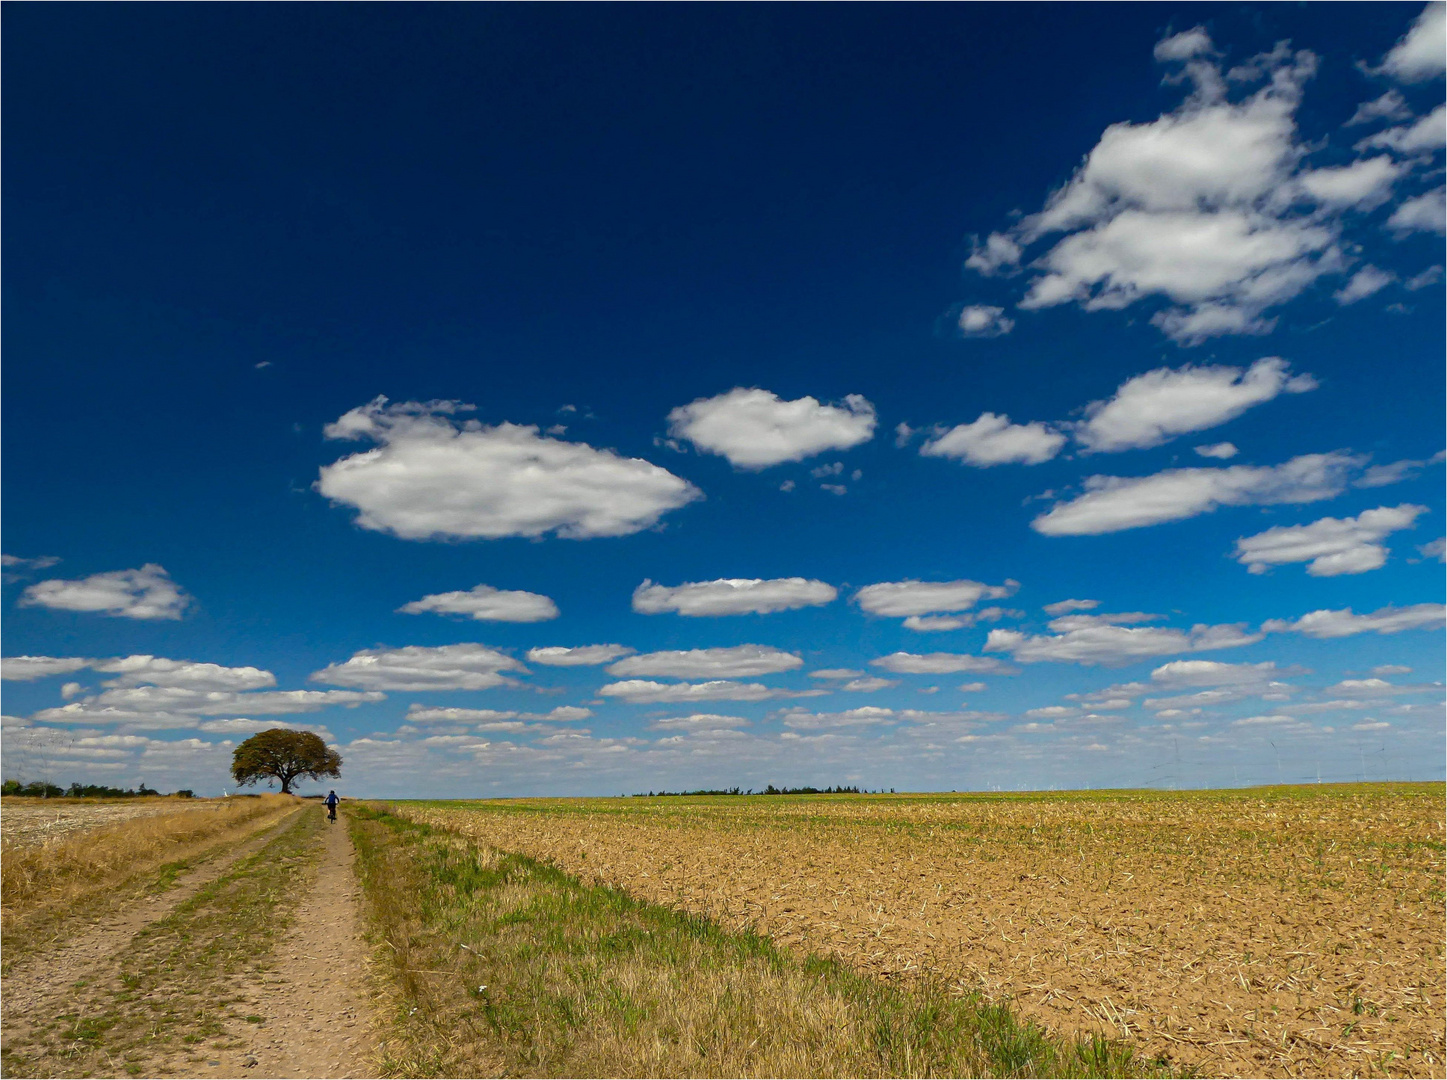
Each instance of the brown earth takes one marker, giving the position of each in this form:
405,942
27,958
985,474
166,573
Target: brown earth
1259,933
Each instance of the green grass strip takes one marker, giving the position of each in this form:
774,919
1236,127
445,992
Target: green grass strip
503,965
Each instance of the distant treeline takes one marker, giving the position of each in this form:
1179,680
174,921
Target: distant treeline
770,790
39,789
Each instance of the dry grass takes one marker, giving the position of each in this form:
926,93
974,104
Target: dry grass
1270,932
34,821
41,879
506,966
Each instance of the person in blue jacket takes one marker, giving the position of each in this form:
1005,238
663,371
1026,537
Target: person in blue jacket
331,804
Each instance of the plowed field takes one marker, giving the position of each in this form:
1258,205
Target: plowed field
1269,932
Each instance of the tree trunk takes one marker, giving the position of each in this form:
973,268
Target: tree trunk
286,785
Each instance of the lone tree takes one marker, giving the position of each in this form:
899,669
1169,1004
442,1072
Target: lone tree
279,754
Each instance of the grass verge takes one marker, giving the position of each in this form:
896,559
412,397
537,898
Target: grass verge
41,883
172,989
502,965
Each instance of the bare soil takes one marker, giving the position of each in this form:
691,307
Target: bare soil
1236,934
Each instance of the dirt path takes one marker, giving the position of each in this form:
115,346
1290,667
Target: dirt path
313,1001
43,983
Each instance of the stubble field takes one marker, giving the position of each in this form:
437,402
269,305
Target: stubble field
1267,932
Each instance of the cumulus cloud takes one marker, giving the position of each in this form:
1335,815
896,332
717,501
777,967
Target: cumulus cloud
1210,211
147,593
993,440
1222,451
29,668
424,714
1332,546
1179,674
869,684
486,604
1390,106
732,596
1344,623
1422,136
982,321
1425,213
417,667
935,623
754,429
578,655
1062,607
649,692
696,721
1436,549
431,478
835,673
1418,55
901,598
1155,407
186,674
903,663
801,719
1113,503
1368,281
1108,643
739,661
162,707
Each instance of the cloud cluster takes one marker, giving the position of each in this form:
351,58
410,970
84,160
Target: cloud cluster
1113,503
577,655
1211,209
940,663
1332,546
651,692
425,714
430,478
754,429
1086,639
467,666
486,604
141,670
147,593
1326,624
738,661
732,596
914,598
1419,55
993,440
30,668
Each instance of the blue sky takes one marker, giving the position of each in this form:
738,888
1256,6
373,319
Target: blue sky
583,400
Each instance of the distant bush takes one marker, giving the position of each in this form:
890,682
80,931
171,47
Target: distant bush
40,789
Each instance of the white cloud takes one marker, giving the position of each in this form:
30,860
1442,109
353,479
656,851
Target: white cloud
754,429
417,667
1367,281
1429,276
1390,106
1275,720
903,663
1333,546
934,623
29,668
161,707
1111,644
1063,624
1223,451
424,714
1183,673
1362,185
1062,607
696,721
1419,137
901,598
739,661
430,478
147,593
1343,623
869,684
1418,55
648,692
186,674
1113,503
486,604
993,440
243,726
1391,669
1154,408
1425,213
835,673
1437,549
732,596
577,656
983,321
19,565
801,719
1200,208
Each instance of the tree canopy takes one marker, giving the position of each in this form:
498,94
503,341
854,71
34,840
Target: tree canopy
284,755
